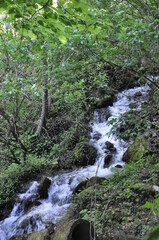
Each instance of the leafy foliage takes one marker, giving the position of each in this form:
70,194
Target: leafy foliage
56,63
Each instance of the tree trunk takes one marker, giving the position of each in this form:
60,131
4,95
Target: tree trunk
44,112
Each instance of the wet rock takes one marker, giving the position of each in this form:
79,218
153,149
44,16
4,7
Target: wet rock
107,160
43,188
84,154
31,202
97,136
118,166
127,156
18,199
81,186
110,146
87,183
107,114
104,101
51,228
132,105
5,209
138,94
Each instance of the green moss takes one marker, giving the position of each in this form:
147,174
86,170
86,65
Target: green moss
16,174
104,101
136,150
84,154
33,236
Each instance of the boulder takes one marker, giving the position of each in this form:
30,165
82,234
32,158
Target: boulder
81,186
41,235
107,114
84,154
75,230
127,156
110,146
118,166
107,159
5,209
133,105
43,188
136,150
138,94
97,136
31,202
87,183
104,101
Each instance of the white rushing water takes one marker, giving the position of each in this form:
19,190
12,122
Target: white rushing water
54,207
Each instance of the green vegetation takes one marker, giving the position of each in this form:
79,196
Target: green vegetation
57,64
19,173
115,206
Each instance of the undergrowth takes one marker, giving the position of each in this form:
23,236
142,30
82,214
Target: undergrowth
16,174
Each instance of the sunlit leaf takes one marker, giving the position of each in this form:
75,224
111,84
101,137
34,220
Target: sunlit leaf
62,39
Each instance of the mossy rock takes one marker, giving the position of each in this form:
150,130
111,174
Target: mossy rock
74,230
41,235
136,150
104,101
84,154
87,183
83,198
46,234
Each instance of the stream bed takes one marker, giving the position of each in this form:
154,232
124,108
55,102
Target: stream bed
62,186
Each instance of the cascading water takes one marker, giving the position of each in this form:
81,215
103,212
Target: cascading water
59,198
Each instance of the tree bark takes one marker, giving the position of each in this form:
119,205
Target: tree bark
44,112
45,101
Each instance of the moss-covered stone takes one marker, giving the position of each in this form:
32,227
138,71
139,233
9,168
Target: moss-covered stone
104,101
84,154
87,183
136,150
74,230
41,235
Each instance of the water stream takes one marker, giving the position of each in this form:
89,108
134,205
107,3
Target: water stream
59,198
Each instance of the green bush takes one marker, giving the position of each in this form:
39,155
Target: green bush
16,174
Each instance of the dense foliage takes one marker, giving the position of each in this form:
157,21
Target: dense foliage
57,61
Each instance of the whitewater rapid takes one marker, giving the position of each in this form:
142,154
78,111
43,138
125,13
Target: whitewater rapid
60,192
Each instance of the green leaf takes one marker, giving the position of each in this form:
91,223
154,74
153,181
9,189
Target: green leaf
81,27
31,34
148,205
62,39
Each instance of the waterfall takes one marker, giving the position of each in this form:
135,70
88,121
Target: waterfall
60,192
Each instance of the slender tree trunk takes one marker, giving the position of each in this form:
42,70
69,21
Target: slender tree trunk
49,98
44,112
